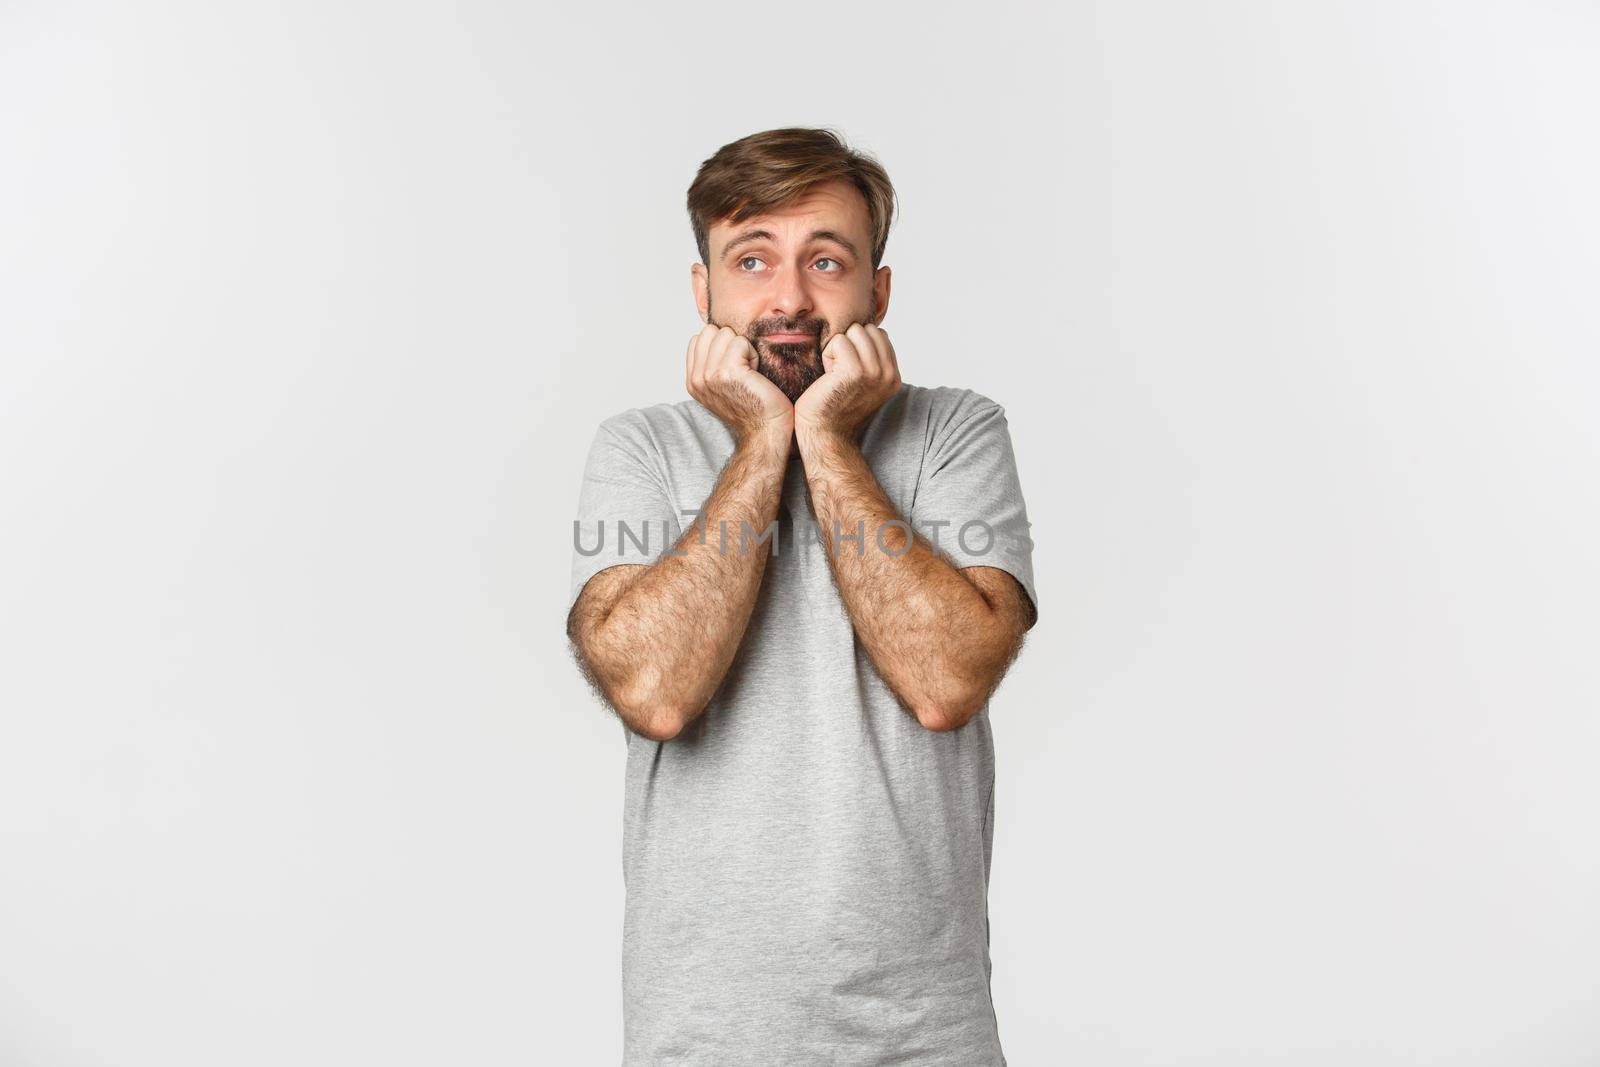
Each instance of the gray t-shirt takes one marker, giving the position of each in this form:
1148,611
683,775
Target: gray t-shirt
806,865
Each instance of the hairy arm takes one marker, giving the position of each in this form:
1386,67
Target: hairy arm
657,640
942,638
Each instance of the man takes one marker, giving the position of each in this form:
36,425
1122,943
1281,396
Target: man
803,670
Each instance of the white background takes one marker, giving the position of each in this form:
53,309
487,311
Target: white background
308,312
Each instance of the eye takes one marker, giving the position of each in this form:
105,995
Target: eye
837,266
748,259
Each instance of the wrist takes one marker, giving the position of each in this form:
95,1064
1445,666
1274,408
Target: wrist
771,439
812,437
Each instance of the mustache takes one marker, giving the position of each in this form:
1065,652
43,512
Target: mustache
763,327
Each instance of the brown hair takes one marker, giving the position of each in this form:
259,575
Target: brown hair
763,171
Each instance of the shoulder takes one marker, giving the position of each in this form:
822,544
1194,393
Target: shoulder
658,427
640,420
944,408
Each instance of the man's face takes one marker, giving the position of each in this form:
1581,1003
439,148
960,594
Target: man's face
791,279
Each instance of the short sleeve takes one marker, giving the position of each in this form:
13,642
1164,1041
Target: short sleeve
624,512
970,494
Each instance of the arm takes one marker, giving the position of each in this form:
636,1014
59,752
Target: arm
941,638
657,640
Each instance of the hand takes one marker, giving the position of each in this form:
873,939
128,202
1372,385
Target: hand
720,372
859,374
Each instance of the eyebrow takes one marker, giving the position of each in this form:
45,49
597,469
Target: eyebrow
750,236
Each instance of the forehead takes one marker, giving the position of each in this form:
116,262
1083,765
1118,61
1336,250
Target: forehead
834,205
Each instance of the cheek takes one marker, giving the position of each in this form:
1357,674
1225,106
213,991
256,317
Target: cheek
729,310
842,309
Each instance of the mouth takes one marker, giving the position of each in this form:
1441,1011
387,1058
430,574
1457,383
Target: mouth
789,338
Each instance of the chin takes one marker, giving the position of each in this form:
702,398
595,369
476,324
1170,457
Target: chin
790,381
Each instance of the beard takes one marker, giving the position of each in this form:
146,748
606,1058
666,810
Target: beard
791,365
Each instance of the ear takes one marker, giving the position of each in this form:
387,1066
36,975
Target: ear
880,293
702,292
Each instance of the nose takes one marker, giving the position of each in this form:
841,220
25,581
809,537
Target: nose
791,298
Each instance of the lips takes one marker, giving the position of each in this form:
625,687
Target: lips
789,337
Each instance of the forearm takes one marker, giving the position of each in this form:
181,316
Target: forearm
931,633
668,640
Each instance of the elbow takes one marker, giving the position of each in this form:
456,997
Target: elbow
651,715
942,721
644,704
955,695
660,726
944,715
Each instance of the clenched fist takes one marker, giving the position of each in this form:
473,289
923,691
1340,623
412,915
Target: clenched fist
859,375
720,372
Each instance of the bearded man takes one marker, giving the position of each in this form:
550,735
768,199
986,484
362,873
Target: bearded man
808,580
